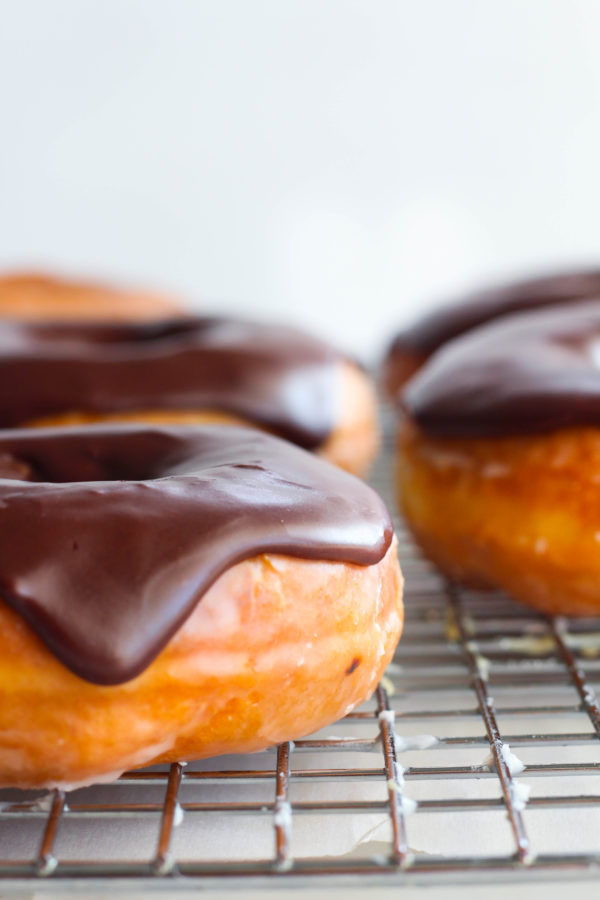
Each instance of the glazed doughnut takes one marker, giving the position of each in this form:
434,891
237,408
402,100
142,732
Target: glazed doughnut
25,295
175,593
413,346
499,461
190,371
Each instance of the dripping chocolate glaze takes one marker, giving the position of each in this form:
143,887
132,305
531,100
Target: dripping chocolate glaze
526,373
110,535
274,376
436,328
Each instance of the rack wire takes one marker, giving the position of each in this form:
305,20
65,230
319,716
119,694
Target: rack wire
505,784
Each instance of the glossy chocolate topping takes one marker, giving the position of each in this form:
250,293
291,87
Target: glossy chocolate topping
274,376
436,328
526,373
110,535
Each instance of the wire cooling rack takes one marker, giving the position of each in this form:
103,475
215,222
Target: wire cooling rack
504,783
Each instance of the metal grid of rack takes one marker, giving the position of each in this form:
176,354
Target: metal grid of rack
507,783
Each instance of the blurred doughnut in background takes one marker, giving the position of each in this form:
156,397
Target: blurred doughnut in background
33,295
413,346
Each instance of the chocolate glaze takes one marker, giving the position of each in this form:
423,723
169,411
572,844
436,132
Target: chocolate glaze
275,376
526,373
111,534
436,328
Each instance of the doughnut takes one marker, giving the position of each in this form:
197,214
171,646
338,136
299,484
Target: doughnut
198,370
413,346
25,295
173,593
499,458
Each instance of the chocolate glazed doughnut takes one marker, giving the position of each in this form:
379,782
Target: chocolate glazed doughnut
499,468
190,371
413,346
173,593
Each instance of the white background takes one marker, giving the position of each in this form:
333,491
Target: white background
342,162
